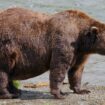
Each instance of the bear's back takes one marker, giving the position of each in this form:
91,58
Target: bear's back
17,22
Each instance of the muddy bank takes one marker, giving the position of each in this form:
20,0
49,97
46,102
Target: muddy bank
41,96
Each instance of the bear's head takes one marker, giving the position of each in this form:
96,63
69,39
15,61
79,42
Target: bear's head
88,39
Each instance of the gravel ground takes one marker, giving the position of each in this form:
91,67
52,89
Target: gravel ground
41,96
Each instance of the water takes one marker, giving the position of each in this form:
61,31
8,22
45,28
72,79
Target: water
94,72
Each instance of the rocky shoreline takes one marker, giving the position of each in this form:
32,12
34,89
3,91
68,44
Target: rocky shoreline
41,96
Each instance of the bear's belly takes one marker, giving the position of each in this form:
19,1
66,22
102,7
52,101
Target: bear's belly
28,72
31,65
34,58
22,72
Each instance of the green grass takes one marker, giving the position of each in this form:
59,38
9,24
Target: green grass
16,83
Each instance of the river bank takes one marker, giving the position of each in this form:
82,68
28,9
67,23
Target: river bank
41,96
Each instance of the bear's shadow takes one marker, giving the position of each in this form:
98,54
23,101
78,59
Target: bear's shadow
30,95
27,95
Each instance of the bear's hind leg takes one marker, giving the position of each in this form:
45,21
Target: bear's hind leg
75,75
13,90
4,93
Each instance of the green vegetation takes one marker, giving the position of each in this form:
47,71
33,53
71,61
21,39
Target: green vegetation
16,83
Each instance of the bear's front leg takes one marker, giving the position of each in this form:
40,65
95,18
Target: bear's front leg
57,76
58,69
75,75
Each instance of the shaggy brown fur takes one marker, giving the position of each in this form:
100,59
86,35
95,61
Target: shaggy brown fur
32,43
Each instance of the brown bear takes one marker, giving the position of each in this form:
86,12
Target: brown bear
32,43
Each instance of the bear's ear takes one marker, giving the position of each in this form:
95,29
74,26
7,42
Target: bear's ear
94,30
